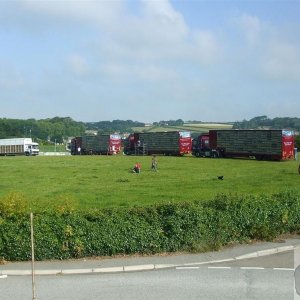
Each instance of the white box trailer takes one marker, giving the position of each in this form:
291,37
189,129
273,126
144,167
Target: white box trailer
18,146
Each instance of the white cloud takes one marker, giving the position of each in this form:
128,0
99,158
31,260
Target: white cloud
153,73
114,70
282,61
156,32
269,51
78,64
96,11
161,17
250,27
138,73
206,48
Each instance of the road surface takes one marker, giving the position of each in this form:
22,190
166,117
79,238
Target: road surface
269,277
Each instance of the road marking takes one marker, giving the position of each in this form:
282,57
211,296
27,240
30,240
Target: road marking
242,268
252,268
186,268
3,276
219,267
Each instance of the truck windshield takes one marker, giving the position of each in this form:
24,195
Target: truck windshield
115,136
185,134
287,133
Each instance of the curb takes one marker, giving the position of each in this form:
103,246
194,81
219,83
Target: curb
266,252
148,267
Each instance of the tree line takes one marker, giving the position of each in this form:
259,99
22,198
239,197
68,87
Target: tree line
47,130
58,129
106,127
127,126
263,122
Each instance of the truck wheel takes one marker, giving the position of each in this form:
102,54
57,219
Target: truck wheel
197,154
215,154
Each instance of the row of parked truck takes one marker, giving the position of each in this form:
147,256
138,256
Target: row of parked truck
259,144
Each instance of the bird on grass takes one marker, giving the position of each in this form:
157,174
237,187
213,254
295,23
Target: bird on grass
220,177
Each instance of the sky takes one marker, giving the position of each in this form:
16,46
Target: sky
149,60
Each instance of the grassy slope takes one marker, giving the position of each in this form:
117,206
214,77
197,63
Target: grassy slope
105,181
201,127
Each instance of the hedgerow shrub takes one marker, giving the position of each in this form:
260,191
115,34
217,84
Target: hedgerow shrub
63,232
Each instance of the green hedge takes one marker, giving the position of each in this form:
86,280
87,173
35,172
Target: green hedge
193,226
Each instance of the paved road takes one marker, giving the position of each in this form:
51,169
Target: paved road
242,272
175,283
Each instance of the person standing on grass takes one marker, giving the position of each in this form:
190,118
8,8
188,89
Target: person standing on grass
154,163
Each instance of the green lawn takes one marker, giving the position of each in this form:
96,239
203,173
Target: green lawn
106,181
52,148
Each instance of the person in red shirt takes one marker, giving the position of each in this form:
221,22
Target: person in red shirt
137,168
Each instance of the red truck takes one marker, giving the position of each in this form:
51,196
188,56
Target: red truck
96,144
259,144
166,143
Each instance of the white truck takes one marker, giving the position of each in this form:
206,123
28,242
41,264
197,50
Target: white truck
18,146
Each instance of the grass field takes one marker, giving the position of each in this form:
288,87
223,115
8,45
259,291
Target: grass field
197,127
209,125
52,148
106,181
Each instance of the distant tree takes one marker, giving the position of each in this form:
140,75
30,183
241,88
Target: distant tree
297,142
178,122
264,121
114,126
53,129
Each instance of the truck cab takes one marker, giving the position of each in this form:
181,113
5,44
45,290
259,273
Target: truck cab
200,147
31,149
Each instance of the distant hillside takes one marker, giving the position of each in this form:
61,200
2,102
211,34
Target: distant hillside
195,128
113,126
263,122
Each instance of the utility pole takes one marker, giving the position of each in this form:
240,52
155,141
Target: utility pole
32,258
